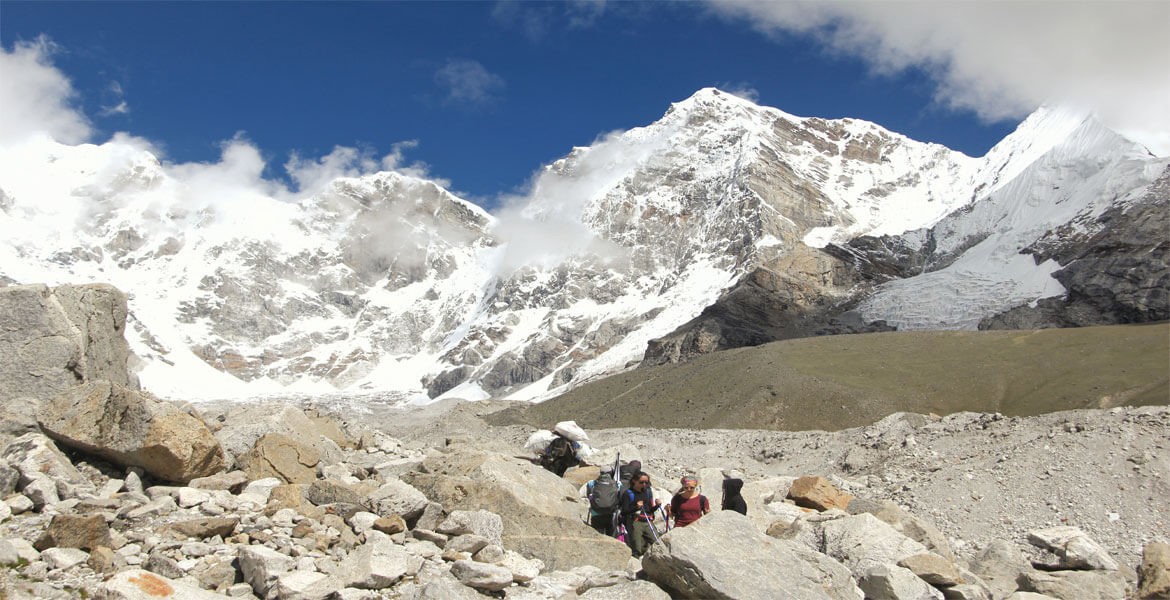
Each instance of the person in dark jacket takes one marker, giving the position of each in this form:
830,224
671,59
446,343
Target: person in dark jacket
638,506
732,499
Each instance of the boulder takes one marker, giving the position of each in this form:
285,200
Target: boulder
1073,549
260,566
205,528
56,338
1154,572
630,590
862,541
895,583
539,511
1076,585
64,558
280,456
327,491
75,531
231,481
37,459
132,429
483,523
1000,564
818,493
396,497
905,523
245,423
303,585
138,584
481,576
694,562
933,569
376,565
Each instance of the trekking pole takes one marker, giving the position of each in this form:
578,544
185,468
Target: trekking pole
653,529
665,519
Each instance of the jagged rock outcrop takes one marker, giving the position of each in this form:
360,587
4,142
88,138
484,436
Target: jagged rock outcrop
55,338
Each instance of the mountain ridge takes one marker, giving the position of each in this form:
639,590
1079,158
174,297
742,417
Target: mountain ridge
388,282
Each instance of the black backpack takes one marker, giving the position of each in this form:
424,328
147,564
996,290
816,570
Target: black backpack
604,499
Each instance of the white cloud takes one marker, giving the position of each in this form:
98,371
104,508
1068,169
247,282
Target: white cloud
544,227
1001,60
741,90
36,97
468,83
114,100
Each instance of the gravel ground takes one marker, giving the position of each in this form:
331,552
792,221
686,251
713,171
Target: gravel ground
979,477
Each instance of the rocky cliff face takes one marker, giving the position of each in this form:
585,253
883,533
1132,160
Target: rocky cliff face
55,338
722,224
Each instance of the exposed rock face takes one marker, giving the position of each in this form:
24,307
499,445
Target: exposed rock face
55,338
1120,274
801,294
132,429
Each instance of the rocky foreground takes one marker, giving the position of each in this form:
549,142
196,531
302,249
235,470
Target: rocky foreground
111,493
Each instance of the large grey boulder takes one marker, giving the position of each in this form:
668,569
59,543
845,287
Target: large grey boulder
862,541
55,338
724,555
540,513
278,455
245,423
132,429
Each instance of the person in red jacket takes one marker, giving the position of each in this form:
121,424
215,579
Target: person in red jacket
688,504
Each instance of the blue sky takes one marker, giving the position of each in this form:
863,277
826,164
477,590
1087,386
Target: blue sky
482,94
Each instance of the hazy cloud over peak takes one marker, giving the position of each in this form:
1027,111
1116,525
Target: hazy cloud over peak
36,97
467,83
1001,60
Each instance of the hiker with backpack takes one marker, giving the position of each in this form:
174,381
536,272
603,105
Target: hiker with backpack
560,454
688,505
638,506
604,498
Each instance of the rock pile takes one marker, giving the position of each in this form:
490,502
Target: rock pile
305,507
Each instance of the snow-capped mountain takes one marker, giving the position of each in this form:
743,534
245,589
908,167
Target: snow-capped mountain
390,283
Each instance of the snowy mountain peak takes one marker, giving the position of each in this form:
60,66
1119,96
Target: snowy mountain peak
390,283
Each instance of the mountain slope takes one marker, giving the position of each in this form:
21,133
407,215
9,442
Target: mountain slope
835,382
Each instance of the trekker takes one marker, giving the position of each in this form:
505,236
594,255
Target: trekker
560,454
732,499
638,506
604,498
626,471
688,504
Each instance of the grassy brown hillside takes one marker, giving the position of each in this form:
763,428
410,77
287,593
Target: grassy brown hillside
835,382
